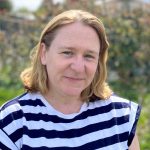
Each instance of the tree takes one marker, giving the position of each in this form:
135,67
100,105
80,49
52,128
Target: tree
5,6
129,52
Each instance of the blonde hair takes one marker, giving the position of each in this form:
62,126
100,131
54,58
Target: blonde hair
35,78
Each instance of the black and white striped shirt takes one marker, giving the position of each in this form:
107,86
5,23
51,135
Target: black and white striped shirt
30,122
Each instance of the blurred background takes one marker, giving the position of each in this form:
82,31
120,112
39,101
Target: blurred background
127,25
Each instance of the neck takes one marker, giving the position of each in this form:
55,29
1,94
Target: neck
64,104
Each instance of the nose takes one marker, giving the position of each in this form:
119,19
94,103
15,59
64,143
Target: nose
78,65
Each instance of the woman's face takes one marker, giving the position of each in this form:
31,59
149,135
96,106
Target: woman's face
72,59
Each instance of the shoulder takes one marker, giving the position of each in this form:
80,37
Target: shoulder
128,108
120,112
13,117
12,105
121,102
19,103
124,103
118,105
116,101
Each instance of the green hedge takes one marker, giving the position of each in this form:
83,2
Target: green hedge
7,94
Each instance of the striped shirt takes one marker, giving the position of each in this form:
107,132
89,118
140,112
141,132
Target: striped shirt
30,122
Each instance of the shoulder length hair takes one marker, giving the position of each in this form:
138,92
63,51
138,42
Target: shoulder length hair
35,77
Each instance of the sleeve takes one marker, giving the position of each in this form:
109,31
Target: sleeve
10,125
135,111
5,142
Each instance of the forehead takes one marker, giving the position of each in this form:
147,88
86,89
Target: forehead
77,27
77,33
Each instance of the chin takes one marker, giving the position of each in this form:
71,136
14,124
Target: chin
73,92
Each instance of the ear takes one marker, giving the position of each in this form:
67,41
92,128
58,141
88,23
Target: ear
43,53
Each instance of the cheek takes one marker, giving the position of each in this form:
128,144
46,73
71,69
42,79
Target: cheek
92,70
55,68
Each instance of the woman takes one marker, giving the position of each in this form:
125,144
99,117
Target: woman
68,104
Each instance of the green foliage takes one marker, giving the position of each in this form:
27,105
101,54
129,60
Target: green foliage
128,53
144,124
145,142
125,90
5,5
9,93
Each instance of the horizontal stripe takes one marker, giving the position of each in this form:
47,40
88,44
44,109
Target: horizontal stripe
83,115
3,147
76,124
77,141
11,117
89,146
5,141
76,132
15,136
9,110
30,102
13,126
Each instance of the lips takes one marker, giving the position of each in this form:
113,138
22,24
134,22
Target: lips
74,78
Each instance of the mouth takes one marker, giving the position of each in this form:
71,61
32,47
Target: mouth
74,78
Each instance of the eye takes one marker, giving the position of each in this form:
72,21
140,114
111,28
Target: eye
67,53
89,56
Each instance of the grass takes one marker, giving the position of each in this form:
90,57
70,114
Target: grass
144,124
7,94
